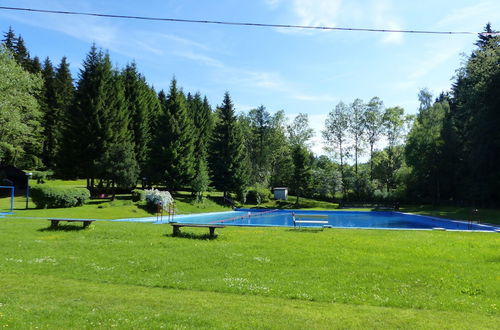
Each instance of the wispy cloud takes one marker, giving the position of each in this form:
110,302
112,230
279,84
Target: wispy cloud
333,13
467,17
383,18
200,58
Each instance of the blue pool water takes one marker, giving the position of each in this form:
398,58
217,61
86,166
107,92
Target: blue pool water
340,219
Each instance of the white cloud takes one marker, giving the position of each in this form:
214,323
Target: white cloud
200,58
468,17
382,18
317,12
332,13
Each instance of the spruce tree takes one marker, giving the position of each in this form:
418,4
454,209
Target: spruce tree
50,123
137,95
176,141
22,55
35,66
228,158
99,122
64,97
201,113
9,39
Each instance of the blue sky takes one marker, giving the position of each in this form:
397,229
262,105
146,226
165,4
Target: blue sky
294,70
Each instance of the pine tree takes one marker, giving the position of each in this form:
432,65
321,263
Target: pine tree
35,66
201,113
176,141
9,40
99,123
64,98
228,158
22,55
50,121
137,95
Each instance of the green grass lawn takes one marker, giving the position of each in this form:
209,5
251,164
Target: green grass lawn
133,275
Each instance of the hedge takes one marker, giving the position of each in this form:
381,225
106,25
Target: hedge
52,197
138,195
258,194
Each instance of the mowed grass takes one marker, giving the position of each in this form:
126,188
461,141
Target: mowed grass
133,275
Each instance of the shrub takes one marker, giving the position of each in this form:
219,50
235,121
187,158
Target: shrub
154,197
41,176
138,195
258,194
52,197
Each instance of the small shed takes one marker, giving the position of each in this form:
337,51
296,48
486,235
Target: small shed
280,193
13,176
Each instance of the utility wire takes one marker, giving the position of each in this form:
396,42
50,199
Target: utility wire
291,26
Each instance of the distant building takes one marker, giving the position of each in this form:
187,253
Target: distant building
12,176
280,193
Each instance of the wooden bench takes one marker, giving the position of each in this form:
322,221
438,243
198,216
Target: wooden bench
298,219
176,227
55,222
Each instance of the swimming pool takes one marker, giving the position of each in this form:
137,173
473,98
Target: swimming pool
337,219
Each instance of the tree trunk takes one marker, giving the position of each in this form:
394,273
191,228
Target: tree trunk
113,190
371,161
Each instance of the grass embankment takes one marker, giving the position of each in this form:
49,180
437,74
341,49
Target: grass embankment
134,275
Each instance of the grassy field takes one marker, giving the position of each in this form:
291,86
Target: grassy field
133,275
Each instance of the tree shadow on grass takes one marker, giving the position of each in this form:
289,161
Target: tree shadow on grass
203,237
63,228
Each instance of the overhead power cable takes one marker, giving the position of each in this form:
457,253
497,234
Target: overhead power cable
290,26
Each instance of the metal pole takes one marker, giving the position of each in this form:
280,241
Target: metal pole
28,176
12,199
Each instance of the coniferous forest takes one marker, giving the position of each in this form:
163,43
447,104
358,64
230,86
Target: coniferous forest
111,127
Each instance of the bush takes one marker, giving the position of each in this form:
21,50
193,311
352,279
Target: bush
258,194
155,197
41,176
138,195
52,197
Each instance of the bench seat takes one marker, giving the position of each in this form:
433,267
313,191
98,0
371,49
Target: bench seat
211,227
55,222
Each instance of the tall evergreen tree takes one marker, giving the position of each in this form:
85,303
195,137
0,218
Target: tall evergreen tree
176,141
9,40
228,158
49,108
140,104
258,142
423,150
201,113
22,55
475,120
64,98
100,122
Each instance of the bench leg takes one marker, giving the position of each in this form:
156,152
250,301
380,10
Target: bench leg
176,231
86,224
212,231
54,223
